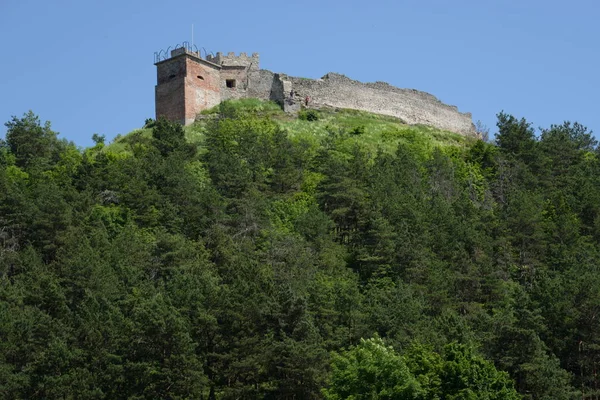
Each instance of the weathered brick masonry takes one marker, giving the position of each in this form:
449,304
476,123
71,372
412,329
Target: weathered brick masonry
188,84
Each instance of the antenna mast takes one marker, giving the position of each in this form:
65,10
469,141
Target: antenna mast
192,49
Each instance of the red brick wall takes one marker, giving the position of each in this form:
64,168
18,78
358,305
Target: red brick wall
185,87
202,88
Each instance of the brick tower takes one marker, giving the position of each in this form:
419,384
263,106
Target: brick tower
186,85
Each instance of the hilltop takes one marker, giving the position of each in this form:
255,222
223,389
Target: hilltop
372,131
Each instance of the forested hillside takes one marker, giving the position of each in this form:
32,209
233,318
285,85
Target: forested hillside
335,255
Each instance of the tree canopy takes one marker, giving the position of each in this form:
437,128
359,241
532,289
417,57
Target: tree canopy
257,255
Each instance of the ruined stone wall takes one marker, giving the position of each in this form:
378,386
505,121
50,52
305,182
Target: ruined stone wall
238,74
232,60
188,84
233,93
412,106
265,85
242,69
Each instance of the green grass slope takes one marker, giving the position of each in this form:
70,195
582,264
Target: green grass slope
373,132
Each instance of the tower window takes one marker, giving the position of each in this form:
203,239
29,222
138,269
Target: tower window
200,77
172,76
230,83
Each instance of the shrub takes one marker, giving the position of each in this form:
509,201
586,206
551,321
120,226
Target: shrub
359,130
308,115
149,123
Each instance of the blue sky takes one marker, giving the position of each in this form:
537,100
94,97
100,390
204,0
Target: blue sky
87,66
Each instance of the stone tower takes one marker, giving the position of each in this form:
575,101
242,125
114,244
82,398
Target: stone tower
186,85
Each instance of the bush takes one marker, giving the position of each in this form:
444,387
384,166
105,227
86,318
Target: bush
359,130
308,115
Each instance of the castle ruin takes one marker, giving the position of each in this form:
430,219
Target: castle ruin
188,83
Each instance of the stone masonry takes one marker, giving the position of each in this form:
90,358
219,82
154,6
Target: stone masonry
188,84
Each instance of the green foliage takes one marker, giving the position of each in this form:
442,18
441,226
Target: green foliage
515,137
149,123
98,139
246,256
168,137
465,375
308,115
359,130
240,107
31,143
371,370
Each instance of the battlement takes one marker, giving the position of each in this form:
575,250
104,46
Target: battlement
182,50
172,52
231,60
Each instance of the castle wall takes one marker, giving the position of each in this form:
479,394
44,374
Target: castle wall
241,60
169,101
202,88
412,106
265,85
242,69
170,90
188,84
239,75
233,94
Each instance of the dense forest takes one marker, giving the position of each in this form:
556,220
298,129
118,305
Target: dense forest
337,255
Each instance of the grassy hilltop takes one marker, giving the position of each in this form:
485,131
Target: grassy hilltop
371,131
335,255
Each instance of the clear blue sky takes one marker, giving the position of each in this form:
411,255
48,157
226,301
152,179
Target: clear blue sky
87,66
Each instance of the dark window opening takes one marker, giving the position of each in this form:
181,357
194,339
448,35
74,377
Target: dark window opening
230,83
172,76
200,77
